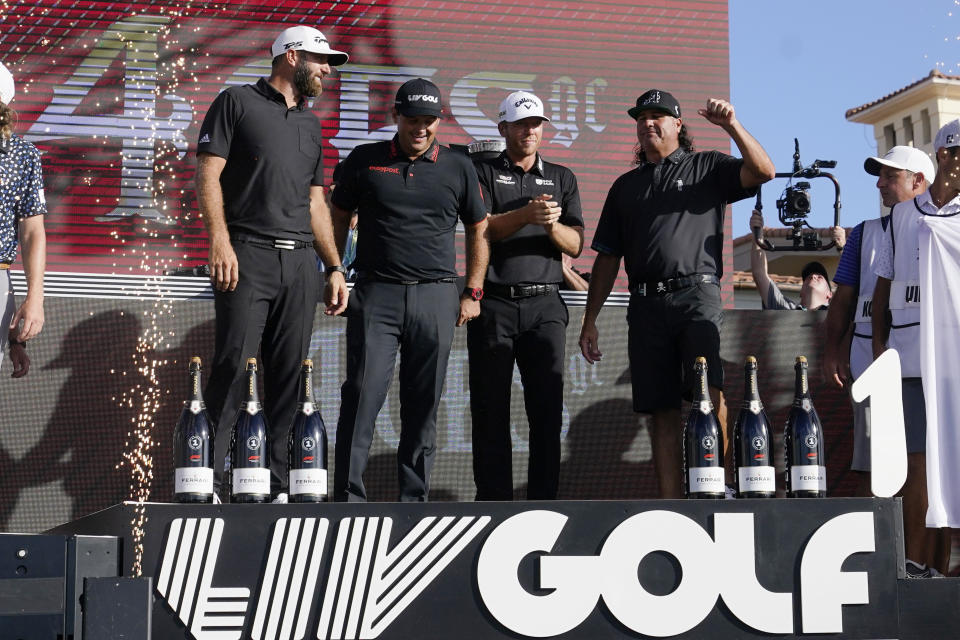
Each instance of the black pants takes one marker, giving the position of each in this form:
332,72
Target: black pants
532,333
418,320
666,333
271,309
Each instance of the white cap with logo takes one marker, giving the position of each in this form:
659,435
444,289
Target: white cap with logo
902,157
7,87
303,38
948,136
519,105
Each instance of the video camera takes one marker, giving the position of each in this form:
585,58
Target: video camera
795,204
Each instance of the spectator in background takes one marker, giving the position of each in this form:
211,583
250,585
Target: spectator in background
815,292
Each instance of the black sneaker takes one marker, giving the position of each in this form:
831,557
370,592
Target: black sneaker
916,570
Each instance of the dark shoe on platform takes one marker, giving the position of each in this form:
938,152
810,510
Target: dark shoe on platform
915,570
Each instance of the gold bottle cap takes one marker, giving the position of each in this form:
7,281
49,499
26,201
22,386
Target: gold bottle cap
801,360
701,360
195,360
750,360
307,362
251,361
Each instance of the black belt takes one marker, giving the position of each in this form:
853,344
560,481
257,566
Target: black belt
672,284
389,280
270,243
514,291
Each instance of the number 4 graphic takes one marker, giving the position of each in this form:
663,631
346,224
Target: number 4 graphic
888,444
136,38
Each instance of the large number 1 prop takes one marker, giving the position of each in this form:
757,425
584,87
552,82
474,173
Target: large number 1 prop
888,444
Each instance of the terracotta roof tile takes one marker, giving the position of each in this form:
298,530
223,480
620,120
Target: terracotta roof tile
933,74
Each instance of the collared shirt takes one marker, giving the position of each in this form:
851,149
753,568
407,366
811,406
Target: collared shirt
21,191
666,219
273,158
905,236
407,210
528,255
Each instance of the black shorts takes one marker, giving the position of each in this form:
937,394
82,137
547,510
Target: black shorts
666,335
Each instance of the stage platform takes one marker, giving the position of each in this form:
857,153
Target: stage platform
569,569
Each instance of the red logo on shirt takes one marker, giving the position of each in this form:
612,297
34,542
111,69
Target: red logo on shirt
385,170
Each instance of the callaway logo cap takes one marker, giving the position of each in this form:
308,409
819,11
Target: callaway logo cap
902,157
656,99
7,88
519,105
948,136
418,97
305,38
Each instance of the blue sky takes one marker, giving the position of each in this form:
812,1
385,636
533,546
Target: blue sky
796,67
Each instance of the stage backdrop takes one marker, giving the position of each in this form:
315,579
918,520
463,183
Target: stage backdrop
73,437
114,94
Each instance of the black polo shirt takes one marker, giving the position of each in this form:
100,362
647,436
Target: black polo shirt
273,157
407,210
666,219
528,255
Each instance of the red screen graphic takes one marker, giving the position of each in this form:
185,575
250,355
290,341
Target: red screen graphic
113,94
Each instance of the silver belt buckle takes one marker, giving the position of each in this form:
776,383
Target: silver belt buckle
642,289
279,243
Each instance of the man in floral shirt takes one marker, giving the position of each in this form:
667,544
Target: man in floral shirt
22,206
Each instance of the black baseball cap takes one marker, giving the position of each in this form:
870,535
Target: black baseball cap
656,99
418,97
814,267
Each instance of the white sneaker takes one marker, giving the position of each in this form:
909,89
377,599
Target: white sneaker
280,499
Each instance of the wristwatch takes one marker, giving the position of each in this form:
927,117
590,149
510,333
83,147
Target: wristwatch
339,268
474,293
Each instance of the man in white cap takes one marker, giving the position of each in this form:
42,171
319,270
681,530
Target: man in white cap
22,207
896,323
260,192
535,219
903,173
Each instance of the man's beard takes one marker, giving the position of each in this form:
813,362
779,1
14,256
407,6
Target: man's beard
303,81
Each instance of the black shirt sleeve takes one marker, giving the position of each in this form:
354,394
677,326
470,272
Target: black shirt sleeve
485,175
572,212
346,195
727,169
608,237
472,208
216,132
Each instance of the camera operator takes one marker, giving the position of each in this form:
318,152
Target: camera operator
815,292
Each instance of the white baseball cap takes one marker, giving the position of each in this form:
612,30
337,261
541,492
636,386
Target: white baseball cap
303,38
902,157
7,87
948,136
519,105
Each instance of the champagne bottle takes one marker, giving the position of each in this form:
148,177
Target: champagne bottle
752,461
307,445
703,443
249,453
806,471
193,446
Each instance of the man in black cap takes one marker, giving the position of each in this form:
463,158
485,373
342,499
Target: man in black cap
260,193
408,193
665,219
535,219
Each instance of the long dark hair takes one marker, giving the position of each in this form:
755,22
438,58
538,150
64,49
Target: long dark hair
685,139
7,119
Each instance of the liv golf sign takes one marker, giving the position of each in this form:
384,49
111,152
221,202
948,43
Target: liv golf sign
774,568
